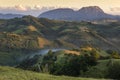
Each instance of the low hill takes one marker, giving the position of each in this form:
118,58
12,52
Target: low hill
8,73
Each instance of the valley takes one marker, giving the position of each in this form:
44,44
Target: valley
48,48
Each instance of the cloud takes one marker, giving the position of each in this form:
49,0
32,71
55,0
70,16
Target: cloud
26,10
37,7
115,9
16,7
20,7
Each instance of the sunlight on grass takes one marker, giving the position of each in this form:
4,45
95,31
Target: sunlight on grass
8,73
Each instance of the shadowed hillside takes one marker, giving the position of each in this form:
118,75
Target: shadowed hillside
33,33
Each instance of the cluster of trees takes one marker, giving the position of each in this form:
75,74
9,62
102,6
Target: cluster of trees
72,65
83,65
63,64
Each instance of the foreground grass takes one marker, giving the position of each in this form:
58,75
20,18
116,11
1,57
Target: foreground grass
9,73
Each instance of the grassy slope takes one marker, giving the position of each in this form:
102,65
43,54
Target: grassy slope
103,64
102,67
8,73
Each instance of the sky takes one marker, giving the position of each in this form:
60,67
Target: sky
35,7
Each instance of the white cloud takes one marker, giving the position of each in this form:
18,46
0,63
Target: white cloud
20,7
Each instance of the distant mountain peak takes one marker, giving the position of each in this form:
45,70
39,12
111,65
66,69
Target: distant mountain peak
92,9
89,13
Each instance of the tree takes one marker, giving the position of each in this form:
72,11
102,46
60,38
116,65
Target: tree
48,60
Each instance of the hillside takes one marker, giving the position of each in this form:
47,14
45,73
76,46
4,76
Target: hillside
33,33
8,73
23,38
84,14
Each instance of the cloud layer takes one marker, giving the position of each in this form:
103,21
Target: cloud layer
19,9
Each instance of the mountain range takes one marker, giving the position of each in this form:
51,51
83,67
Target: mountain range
10,16
89,13
84,14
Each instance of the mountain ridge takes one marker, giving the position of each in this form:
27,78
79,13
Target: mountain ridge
85,13
10,16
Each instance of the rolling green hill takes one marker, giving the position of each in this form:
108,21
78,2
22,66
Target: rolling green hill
20,36
101,68
27,32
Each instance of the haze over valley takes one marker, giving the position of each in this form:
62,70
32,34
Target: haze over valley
59,40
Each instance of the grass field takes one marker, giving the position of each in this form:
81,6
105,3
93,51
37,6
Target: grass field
9,73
